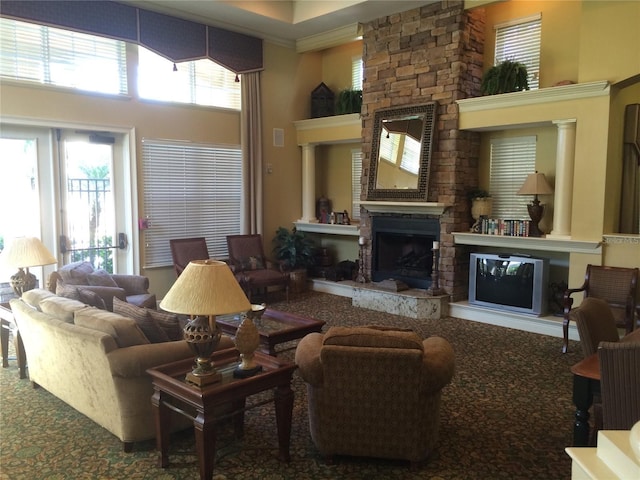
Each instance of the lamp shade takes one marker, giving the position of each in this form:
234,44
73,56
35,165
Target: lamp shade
535,184
25,252
206,287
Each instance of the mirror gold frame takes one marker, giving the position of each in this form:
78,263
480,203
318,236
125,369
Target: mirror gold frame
401,121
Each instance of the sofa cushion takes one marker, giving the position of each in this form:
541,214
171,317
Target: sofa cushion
61,307
143,319
35,296
124,331
76,273
101,278
372,337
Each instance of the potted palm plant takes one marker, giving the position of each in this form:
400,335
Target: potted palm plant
295,252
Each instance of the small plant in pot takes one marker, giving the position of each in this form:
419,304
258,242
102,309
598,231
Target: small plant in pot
506,77
481,205
295,252
349,101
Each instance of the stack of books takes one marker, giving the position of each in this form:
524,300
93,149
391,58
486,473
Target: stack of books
500,226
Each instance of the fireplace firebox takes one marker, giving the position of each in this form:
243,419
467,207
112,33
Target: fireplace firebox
401,249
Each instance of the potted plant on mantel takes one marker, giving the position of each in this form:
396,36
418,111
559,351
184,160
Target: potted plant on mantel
481,205
506,77
295,252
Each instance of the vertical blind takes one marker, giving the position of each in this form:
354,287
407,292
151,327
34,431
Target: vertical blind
61,57
190,190
356,174
520,40
512,159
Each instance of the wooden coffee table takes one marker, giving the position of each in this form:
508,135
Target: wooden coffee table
275,327
172,392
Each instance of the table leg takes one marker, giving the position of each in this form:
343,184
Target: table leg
21,356
284,413
582,398
4,340
162,416
205,444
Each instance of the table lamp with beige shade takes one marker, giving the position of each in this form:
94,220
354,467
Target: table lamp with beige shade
535,184
205,288
22,253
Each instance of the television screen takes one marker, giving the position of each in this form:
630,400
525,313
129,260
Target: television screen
509,282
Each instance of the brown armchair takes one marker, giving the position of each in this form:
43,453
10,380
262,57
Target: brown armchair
616,285
374,392
595,323
251,267
184,250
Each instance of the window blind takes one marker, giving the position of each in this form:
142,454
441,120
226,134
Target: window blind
64,58
410,161
356,73
200,82
190,190
356,174
512,159
520,41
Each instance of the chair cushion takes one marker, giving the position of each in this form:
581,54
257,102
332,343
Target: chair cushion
101,278
143,319
76,273
372,337
124,330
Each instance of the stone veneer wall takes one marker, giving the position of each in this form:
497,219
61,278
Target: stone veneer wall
426,54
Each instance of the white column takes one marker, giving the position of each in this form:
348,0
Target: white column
563,191
308,183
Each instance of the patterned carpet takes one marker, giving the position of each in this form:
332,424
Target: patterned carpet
506,415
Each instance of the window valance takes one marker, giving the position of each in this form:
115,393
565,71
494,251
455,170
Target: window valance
174,38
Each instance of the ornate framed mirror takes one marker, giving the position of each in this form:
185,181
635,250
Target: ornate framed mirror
401,153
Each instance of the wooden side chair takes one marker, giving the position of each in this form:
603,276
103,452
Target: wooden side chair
254,272
184,250
616,285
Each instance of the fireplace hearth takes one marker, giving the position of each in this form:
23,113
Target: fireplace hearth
401,249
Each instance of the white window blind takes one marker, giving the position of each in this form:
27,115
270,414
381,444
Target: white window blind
190,190
64,58
201,82
410,161
512,159
356,73
520,41
356,174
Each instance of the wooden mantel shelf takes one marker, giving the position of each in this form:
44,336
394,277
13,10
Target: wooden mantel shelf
430,208
528,243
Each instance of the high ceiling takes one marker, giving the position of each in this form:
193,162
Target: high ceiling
280,21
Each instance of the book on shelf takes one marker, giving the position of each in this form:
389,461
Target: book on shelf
505,227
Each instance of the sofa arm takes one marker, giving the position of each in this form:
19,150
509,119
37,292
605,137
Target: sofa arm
132,284
438,363
307,358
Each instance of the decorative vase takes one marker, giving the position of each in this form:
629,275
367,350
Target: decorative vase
480,207
247,342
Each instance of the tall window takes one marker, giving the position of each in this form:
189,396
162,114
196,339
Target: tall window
190,190
356,174
201,82
512,159
53,56
520,40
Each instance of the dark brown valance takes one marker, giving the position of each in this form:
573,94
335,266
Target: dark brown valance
174,38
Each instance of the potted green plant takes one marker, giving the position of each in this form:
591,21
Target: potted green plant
505,77
349,101
295,252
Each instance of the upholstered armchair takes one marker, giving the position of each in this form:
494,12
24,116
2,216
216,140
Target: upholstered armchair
595,322
132,289
374,392
616,285
251,267
184,250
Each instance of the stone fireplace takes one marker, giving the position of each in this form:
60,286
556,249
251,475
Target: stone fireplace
433,53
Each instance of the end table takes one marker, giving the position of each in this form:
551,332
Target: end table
8,326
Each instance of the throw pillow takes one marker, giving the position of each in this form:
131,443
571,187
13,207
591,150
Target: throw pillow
101,278
252,263
168,322
142,318
76,273
67,291
124,330
91,298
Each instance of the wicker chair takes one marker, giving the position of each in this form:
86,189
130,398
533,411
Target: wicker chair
251,267
374,392
616,285
184,250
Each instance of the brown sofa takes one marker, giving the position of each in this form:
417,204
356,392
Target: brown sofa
133,289
374,392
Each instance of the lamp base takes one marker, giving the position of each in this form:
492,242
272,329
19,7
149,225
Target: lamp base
535,213
202,380
240,372
23,281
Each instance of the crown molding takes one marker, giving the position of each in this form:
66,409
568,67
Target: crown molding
332,38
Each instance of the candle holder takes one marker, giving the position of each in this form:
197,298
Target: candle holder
435,289
361,278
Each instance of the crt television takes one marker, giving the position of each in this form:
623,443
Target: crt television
509,282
